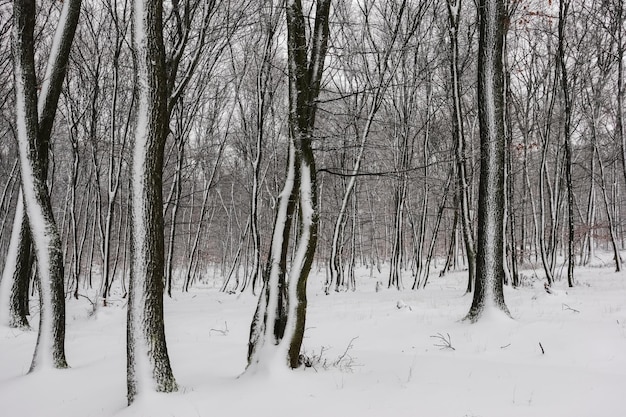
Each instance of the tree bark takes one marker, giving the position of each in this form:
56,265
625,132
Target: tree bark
460,152
563,9
34,125
148,365
284,300
14,309
488,292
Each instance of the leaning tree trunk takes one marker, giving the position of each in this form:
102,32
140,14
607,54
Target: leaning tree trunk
148,365
34,126
18,257
488,292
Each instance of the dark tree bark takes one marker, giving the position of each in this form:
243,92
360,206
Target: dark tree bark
147,356
35,119
18,258
460,152
619,14
278,323
567,102
14,307
488,292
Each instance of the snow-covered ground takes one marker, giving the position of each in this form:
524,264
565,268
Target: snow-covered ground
374,354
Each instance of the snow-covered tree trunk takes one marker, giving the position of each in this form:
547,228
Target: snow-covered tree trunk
34,124
148,365
268,324
18,261
16,273
488,292
283,301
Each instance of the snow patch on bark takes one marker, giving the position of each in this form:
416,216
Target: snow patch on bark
52,58
143,379
307,211
38,229
10,266
265,352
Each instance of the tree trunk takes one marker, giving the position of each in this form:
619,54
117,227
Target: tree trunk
16,274
620,83
50,351
488,292
284,301
460,152
34,125
563,8
148,365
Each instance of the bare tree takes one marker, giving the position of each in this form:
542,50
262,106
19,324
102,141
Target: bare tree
460,146
278,325
148,365
567,104
34,125
488,292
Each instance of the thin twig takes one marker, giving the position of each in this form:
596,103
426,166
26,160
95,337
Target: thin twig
446,342
345,352
224,332
566,307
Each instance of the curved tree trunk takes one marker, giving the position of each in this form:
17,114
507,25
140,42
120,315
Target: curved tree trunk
34,125
284,300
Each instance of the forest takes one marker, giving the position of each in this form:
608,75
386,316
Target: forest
306,161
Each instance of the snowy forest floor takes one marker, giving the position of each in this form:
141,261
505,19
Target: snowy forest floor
374,354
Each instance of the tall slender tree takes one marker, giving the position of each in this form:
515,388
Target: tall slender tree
567,133
460,146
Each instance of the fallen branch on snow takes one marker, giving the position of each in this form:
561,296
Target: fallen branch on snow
446,342
566,307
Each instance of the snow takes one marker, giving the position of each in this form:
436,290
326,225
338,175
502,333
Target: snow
52,64
142,379
41,236
10,265
307,213
266,353
393,368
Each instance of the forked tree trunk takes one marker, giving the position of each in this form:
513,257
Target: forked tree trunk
17,269
283,301
34,126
